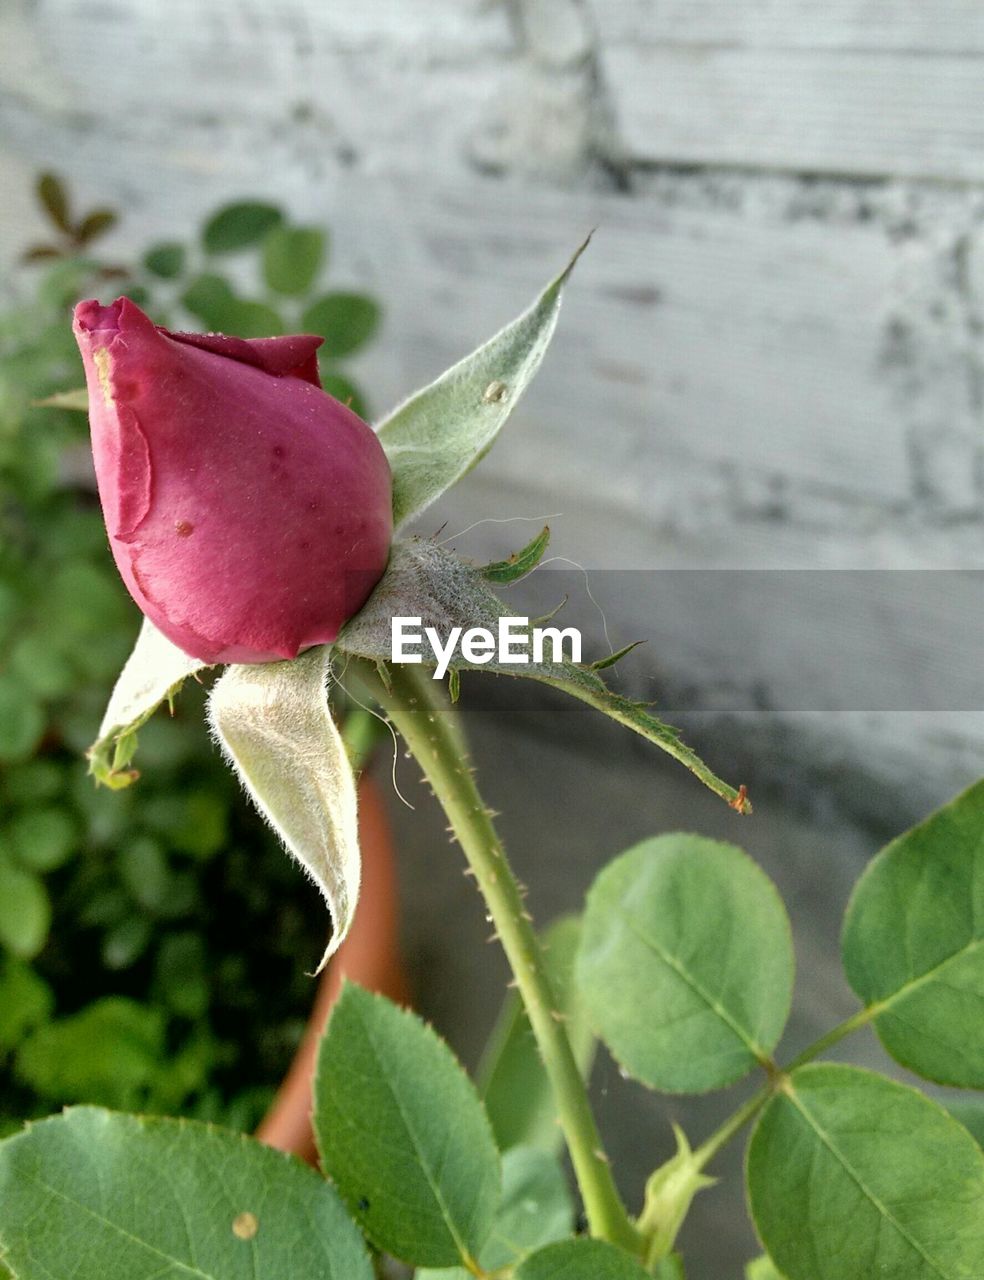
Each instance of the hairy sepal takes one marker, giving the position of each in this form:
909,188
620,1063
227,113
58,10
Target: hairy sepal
438,434
429,582
273,723
154,672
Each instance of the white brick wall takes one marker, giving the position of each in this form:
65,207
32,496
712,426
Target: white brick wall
771,355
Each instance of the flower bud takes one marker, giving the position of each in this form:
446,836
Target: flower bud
249,512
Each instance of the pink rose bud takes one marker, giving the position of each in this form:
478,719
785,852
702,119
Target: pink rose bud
248,511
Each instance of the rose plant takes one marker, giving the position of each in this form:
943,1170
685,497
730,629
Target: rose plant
682,963
120,984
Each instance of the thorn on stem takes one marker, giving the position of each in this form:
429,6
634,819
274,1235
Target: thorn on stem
740,803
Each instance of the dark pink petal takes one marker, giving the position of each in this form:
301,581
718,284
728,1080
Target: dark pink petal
293,356
249,512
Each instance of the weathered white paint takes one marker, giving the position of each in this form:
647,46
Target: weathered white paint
911,114
752,368
904,26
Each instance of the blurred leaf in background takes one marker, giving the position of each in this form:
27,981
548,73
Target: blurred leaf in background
120,981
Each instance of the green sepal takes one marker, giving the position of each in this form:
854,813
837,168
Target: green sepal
153,674
441,432
603,663
670,1191
430,582
273,723
520,563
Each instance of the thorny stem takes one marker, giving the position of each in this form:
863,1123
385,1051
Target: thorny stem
410,700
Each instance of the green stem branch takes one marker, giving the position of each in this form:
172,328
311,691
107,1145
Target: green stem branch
854,1023
750,1109
411,701
731,1127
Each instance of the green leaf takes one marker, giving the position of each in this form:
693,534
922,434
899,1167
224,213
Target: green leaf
237,226
25,1001
95,224
42,839
44,670
536,1209
124,943
293,258
346,321
25,912
442,431
851,1174
913,943
686,963
247,319
154,672
166,260
34,781
109,1052
512,1080
273,723
92,1194
970,1113
762,1268
21,720
39,253
82,603
403,1135
53,198
77,401
345,390
579,1260
64,282
182,974
521,562
194,821
145,872
427,581
209,298
671,1268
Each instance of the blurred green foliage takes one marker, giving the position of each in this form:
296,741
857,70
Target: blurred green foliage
153,942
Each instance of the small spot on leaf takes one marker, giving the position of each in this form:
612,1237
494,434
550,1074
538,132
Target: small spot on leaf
495,393
245,1225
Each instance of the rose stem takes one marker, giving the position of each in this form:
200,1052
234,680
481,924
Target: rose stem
413,704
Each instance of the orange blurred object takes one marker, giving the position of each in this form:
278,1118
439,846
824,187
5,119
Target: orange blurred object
370,956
